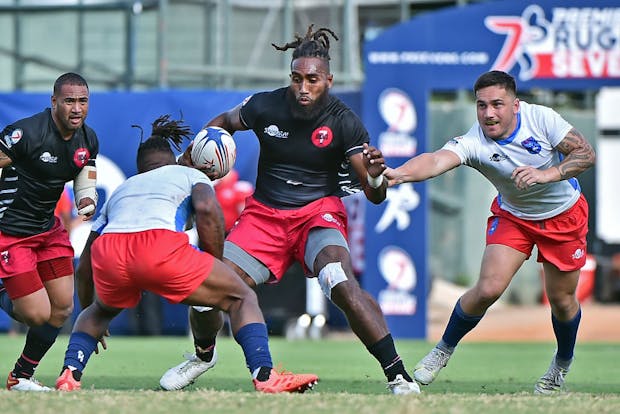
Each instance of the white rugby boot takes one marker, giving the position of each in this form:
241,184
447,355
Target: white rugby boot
428,368
552,382
400,386
25,384
184,374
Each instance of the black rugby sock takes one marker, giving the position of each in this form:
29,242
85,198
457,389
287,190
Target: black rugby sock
204,348
263,374
385,352
39,340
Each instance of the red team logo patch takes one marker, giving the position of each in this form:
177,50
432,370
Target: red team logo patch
322,136
81,156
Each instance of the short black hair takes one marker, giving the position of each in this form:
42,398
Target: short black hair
313,44
165,132
69,78
496,78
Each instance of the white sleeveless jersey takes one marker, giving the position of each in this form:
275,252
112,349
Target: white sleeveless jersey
539,130
156,199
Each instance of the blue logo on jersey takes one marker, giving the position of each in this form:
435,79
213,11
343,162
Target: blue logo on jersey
531,145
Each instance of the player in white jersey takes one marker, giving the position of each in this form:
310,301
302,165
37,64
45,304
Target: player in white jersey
531,155
138,244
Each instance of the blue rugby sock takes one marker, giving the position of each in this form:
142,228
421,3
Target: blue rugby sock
254,342
81,347
459,325
566,336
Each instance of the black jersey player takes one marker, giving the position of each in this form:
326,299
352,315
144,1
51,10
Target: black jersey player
38,156
306,136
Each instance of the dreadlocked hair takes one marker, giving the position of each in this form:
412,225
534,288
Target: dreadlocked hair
165,132
313,44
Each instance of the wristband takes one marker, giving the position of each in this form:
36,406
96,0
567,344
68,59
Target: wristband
375,182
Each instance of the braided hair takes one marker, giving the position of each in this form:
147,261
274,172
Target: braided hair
313,44
165,132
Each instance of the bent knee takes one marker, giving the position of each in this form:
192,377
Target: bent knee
488,294
35,317
562,304
62,313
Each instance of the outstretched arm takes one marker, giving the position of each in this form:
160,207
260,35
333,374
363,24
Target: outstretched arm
579,157
422,167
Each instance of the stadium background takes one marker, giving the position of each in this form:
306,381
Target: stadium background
219,51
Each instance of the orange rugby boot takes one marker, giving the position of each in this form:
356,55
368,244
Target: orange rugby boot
66,382
286,382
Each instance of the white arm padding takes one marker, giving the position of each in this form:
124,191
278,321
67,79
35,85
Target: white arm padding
85,184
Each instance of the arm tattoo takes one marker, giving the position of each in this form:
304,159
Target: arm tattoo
579,155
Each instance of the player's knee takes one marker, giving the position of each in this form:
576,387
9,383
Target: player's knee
62,313
562,303
250,297
487,294
244,298
330,276
35,317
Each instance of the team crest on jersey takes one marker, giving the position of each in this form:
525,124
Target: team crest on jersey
81,156
531,145
322,136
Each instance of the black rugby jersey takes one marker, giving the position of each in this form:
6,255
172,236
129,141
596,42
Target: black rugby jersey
42,163
302,160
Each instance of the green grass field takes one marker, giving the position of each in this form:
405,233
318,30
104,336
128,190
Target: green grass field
481,378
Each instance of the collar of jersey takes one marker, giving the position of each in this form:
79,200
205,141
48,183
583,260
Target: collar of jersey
512,136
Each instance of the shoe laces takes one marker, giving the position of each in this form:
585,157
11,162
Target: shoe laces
191,358
554,377
34,380
437,357
398,380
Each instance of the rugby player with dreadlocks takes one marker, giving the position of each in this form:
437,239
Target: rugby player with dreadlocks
137,243
296,213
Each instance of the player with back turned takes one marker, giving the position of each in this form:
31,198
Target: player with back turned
138,244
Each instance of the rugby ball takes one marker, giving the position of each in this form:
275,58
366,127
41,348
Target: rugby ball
214,150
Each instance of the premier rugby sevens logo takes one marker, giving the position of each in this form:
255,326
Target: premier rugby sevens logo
573,43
